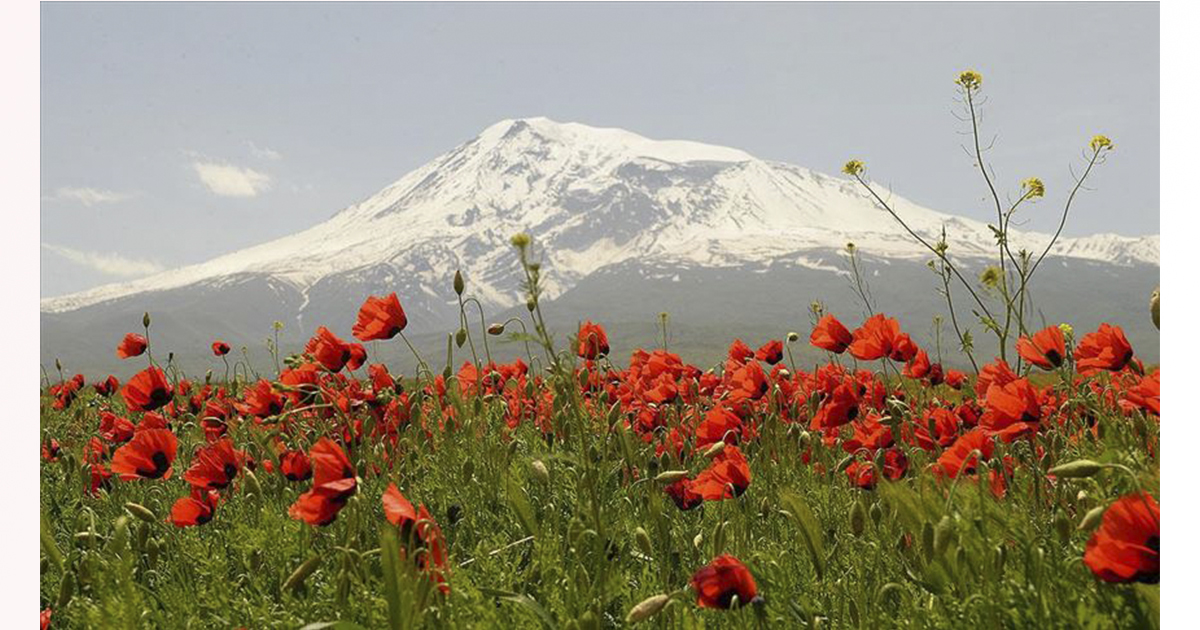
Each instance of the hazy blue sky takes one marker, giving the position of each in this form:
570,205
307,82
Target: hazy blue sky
173,133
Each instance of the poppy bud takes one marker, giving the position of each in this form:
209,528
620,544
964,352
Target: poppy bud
1078,469
858,519
141,512
58,364
460,337
719,537
468,470
146,319
301,573
804,439
716,449
999,556
252,484
643,541
1092,518
530,305
647,608
793,337
668,477
120,535
520,241
459,284
876,514
496,329
66,590
943,535
540,471
927,540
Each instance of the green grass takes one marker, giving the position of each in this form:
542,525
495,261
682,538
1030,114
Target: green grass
527,552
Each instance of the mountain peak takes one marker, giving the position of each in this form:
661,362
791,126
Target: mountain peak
611,141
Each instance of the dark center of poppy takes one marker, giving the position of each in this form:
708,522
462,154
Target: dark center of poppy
159,396
231,471
1054,357
160,466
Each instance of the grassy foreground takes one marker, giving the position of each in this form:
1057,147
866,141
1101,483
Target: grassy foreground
560,521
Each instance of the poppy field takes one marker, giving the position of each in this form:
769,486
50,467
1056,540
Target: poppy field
874,490
568,488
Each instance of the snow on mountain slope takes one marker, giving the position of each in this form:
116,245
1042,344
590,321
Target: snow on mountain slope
591,198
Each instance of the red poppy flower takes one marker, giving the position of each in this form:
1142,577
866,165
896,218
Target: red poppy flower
379,318
334,482
719,425
593,342
50,450
220,348
151,420
397,509
961,458
875,338
771,352
419,530
1105,349
862,475
841,407
829,334
903,348
1146,394
108,386
720,581
115,428
260,400
147,456
358,356
728,476
330,351
955,379
380,378
295,466
918,367
195,509
147,390
997,373
1125,546
45,619
1046,349
131,346
683,495
215,466
748,382
1014,403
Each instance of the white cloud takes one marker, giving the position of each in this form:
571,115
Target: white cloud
87,196
111,264
264,153
228,180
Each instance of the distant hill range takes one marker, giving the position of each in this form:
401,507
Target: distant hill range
627,227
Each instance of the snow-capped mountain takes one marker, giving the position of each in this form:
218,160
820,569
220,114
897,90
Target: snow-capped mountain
593,199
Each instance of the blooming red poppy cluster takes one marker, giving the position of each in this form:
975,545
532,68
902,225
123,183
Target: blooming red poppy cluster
701,424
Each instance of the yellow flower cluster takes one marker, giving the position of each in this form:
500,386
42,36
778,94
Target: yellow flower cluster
990,276
521,241
1101,143
1034,187
970,80
853,167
